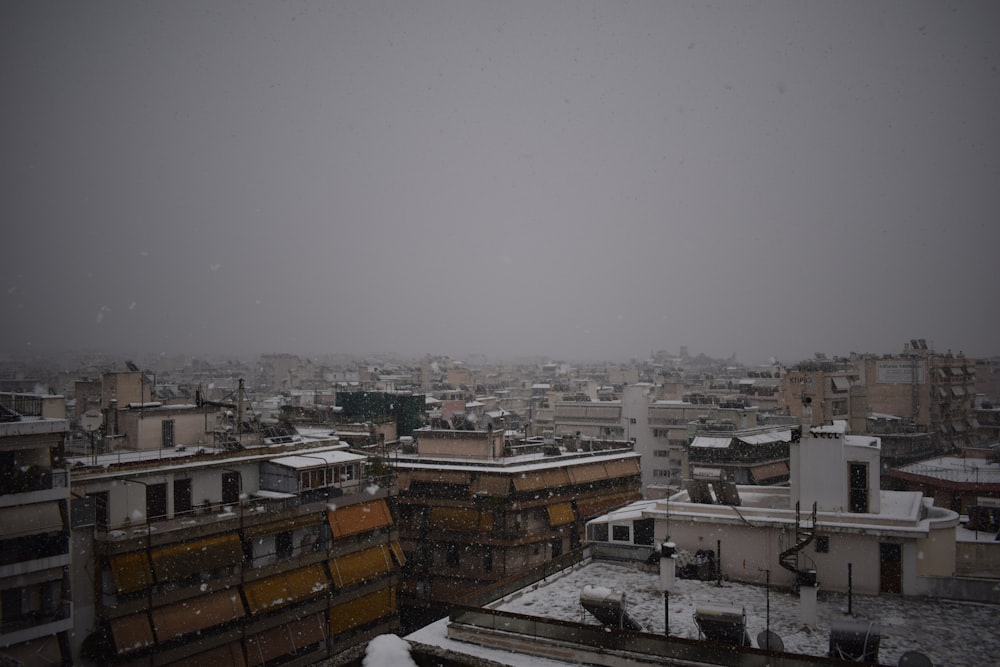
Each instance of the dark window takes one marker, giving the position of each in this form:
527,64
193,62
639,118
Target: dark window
101,509
167,433
247,552
488,559
156,502
10,605
230,488
283,544
599,532
859,487
452,556
556,547
642,531
182,497
822,544
620,534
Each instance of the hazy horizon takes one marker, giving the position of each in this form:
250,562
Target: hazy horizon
571,180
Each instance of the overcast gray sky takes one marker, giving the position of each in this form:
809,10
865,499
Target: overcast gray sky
571,179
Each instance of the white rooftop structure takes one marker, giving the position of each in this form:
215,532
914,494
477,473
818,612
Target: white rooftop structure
318,459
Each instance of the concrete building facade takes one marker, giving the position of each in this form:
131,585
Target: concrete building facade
36,598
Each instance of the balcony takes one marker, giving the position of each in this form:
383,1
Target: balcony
21,550
33,485
37,624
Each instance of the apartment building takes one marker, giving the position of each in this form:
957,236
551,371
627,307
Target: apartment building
824,395
933,391
475,507
36,598
273,554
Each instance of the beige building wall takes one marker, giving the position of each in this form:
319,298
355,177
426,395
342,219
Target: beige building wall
143,429
460,444
125,387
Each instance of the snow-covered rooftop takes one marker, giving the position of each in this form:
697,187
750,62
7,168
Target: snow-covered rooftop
958,634
956,469
318,459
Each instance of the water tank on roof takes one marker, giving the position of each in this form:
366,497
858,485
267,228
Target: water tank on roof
855,641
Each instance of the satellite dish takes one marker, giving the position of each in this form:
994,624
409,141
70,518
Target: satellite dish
914,659
770,641
91,420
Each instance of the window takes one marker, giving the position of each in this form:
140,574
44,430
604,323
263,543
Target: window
822,544
858,479
230,488
488,559
101,509
599,532
283,544
182,496
621,534
156,502
167,433
660,452
643,529
452,555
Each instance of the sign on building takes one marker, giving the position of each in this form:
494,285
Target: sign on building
896,372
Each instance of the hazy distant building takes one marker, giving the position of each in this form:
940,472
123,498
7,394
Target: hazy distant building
933,391
824,395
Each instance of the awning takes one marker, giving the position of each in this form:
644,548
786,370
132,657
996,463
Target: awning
285,639
440,476
959,426
180,561
275,527
561,514
284,589
132,633
622,468
707,441
32,519
590,507
766,438
840,384
362,610
957,391
492,485
359,518
541,479
699,472
196,614
582,474
227,654
973,423
768,471
957,371
131,572
361,566
457,519
397,553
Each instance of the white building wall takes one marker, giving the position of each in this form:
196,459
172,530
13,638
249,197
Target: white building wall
748,552
818,473
635,407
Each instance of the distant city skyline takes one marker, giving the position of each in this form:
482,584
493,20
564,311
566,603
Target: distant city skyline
573,180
